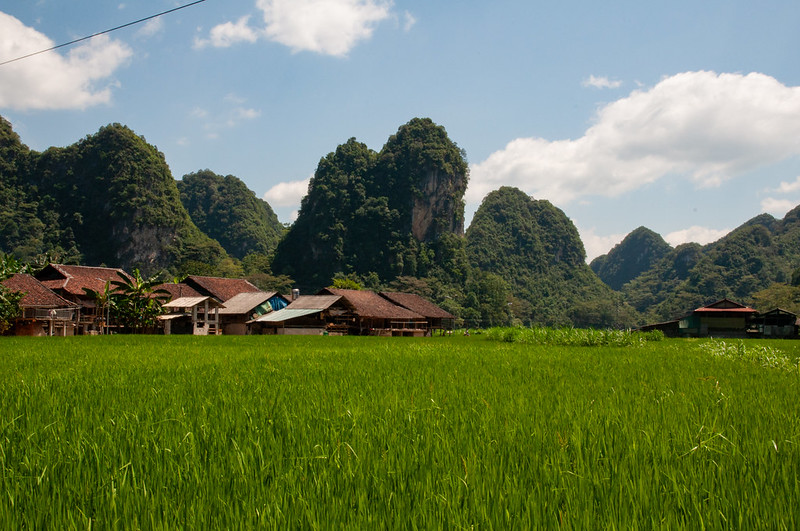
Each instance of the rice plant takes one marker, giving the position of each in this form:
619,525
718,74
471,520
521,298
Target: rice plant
341,432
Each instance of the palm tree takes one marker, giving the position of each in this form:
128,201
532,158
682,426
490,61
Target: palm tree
105,303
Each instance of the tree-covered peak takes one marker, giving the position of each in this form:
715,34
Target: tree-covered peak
227,210
635,254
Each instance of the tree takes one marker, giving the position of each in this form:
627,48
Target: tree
105,304
137,301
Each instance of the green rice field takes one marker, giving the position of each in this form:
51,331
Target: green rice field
504,430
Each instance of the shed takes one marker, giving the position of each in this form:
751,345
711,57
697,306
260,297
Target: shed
777,323
247,306
306,315
192,315
724,318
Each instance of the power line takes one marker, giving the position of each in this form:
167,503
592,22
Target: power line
102,32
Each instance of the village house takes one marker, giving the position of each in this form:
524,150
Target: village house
729,319
306,315
371,314
777,323
241,308
44,312
221,289
437,318
71,281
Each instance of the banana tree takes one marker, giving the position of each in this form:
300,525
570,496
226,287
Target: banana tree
137,301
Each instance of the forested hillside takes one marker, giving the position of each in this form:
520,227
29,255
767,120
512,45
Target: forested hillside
390,214
391,219
226,210
763,252
107,199
534,250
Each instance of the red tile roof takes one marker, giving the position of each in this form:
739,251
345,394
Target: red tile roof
37,295
72,279
220,288
370,304
417,304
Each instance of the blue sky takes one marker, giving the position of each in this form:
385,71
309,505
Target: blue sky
680,116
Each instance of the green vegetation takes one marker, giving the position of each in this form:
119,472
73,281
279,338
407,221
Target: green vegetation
533,249
573,337
634,255
108,199
387,213
290,432
226,210
753,264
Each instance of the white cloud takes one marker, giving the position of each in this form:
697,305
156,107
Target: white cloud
328,27
701,235
77,80
287,193
408,21
601,82
228,34
788,188
596,245
706,126
152,27
777,207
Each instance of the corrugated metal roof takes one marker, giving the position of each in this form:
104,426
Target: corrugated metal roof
370,304
417,304
246,302
316,302
284,315
188,302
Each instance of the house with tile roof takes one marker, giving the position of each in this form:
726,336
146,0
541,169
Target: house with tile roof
437,318
71,281
372,314
44,312
221,289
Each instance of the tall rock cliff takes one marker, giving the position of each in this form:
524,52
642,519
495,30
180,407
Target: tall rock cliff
109,199
384,213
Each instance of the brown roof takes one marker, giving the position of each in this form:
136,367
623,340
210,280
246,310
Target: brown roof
176,291
415,303
221,288
313,302
370,304
37,295
73,279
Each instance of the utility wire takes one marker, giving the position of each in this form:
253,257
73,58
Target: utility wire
102,32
